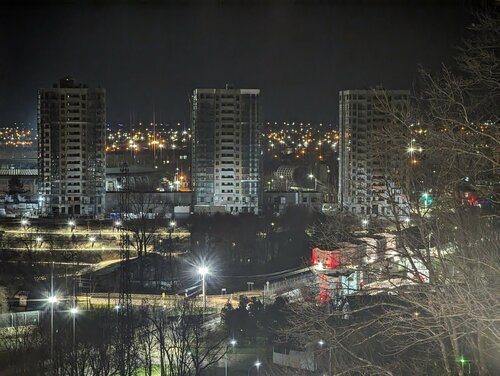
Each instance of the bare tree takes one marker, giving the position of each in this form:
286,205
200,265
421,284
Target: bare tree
145,217
186,347
431,305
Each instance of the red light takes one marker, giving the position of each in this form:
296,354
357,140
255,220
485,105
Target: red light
471,200
330,259
324,296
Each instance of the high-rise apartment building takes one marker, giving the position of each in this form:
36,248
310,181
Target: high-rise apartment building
226,150
365,188
71,149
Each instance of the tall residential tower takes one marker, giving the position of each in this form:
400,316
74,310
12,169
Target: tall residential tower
226,150
364,186
71,149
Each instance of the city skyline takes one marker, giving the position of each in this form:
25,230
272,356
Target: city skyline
150,58
249,187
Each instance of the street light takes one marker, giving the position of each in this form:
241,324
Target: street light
171,228
203,270
311,176
232,343
74,311
118,224
92,239
321,343
257,364
52,299
24,222
39,239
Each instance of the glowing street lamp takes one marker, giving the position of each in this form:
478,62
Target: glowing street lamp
321,343
52,299
39,239
203,271
74,312
311,176
24,222
257,364
232,343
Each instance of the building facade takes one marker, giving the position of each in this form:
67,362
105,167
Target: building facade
71,149
226,162
364,186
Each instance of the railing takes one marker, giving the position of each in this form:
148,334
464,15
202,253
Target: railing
285,284
17,319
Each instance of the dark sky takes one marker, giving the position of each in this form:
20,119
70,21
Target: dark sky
150,56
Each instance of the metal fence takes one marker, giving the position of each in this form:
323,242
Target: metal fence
17,319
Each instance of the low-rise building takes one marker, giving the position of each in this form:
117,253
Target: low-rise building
278,202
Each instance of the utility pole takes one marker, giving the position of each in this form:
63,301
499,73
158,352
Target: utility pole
124,309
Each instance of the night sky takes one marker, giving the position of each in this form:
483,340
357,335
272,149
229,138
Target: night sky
150,56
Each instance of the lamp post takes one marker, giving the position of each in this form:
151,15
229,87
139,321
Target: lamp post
203,270
171,228
321,343
257,364
232,343
311,176
74,312
52,299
